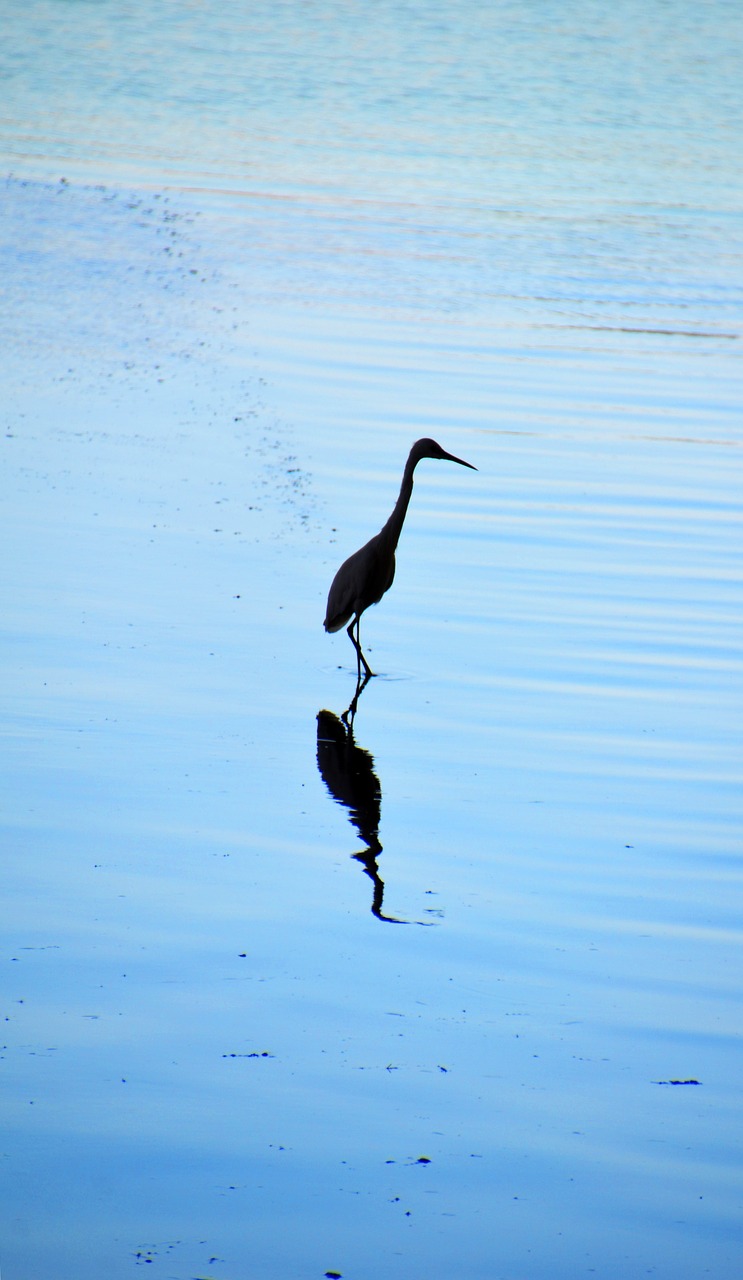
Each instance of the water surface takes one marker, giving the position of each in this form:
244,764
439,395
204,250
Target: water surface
456,992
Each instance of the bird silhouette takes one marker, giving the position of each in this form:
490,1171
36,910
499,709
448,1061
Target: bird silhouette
365,576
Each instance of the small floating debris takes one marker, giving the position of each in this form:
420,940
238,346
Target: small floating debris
265,1054
677,1082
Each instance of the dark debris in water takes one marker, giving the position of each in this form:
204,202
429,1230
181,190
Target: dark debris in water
264,1054
677,1082
146,1255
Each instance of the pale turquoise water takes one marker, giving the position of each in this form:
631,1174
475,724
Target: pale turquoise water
290,239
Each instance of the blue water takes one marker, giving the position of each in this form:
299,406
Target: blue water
488,156
248,253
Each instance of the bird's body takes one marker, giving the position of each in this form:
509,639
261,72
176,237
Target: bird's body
361,581
365,576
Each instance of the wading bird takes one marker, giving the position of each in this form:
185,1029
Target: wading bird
365,576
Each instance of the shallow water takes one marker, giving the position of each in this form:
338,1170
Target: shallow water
286,245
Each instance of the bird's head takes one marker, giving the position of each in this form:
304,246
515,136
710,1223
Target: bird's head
428,448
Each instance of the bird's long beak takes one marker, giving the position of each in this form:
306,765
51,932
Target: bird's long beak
449,457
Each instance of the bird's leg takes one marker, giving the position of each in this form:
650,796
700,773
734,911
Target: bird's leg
360,657
356,641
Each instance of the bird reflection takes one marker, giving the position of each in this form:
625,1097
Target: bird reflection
348,772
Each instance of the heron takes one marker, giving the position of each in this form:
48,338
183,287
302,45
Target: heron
365,576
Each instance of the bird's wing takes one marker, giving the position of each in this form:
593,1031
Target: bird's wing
361,581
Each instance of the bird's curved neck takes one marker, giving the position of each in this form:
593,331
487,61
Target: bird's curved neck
393,527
